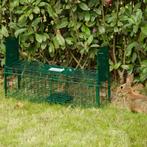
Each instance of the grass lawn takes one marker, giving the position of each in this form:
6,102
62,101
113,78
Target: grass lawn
43,124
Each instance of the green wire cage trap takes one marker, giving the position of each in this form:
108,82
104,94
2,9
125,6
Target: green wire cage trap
55,84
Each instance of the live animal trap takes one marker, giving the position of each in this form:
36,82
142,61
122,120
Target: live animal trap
56,84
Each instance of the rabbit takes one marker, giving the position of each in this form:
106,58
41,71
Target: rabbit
125,94
139,105
129,91
136,102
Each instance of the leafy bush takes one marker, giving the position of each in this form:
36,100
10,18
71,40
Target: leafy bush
70,31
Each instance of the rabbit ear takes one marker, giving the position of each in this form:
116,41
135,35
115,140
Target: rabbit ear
130,79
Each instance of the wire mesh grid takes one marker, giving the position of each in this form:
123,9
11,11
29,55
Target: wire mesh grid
41,82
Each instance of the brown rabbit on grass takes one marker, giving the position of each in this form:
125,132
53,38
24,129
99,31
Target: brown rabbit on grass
139,106
129,91
137,102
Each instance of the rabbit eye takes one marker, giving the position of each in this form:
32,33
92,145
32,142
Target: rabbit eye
121,87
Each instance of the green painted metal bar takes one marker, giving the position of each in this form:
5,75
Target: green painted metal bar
5,81
19,80
97,82
109,86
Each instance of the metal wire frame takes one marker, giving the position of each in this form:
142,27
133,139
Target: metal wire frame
41,82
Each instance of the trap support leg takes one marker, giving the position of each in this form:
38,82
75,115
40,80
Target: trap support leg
5,81
19,80
109,89
98,95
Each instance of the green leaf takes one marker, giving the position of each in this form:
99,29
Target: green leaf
143,33
86,30
4,31
119,24
13,25
36,10
142,36
51,12
43,37
90,39
38,38
43,45
130,47
98,11
90,23
137,6
55,41
36,22
134,57
69,40
46,35
82,36
93,3
117,65
42,4
18,32
116,29
84,6
22,20
144,64
60,39
94,46
51,48
126,67
144,30
77,25
31,17
2,62
143,70
2,47
62,24
102,29
58,7
87,16
13,4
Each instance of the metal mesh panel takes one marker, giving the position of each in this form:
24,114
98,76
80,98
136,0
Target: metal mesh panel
51,83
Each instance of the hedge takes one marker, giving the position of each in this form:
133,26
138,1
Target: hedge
69,32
